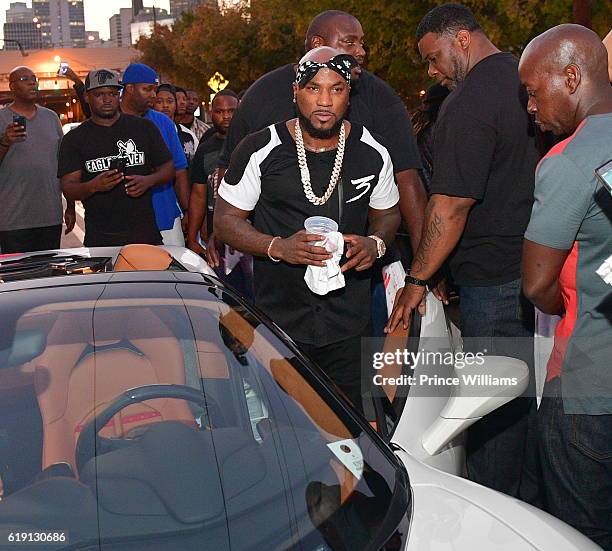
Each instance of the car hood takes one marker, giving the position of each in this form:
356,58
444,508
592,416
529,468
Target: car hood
452,513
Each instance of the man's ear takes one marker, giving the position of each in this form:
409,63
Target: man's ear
572,77
86,97
464,38
316,42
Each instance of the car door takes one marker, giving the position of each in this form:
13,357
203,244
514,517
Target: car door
407,370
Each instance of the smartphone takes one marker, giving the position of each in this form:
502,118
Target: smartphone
118,163
61,71
20,120
604,175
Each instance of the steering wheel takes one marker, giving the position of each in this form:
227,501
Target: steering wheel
89,442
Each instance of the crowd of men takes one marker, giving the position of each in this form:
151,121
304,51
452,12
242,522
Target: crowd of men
512,223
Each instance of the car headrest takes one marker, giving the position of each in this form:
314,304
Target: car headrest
142,257
26,346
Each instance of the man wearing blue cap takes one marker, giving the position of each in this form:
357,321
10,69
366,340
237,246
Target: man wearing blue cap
139,84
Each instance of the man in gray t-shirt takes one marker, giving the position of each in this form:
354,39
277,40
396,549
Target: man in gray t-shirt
30,194
568,238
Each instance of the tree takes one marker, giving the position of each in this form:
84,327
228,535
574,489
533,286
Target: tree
247,42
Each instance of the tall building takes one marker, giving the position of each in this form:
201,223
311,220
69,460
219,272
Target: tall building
177,7
142,24
20,29
62,22
120,31
19,12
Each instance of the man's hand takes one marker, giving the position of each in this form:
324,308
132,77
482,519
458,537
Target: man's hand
214,251
185,222
196,248
362,252
439,290
14,133
71,75
106,180
69,219
406,300
137,185
299,249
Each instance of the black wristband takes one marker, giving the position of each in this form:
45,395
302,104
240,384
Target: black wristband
415,281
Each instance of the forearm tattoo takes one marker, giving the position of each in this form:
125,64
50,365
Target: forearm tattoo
429,240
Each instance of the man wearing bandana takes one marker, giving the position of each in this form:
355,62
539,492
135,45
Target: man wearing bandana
373,103
290,171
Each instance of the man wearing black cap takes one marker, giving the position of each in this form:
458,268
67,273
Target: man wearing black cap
290,171
111,162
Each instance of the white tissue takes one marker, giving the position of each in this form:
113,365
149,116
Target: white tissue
605,271
323,279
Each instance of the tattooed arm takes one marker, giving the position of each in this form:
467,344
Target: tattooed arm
445,219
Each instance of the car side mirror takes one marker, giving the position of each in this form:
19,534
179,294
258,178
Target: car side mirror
481,389
26,346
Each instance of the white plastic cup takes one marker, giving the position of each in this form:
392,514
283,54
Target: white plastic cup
320,225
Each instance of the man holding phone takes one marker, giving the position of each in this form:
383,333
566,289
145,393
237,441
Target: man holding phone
30,193
111,162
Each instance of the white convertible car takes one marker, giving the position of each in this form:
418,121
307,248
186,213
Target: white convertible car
145,406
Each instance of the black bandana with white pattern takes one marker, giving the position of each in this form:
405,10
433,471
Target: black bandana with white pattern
341,64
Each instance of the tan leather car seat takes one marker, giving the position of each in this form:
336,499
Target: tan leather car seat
134,348
142,257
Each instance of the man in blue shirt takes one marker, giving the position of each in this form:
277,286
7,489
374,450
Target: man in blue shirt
139,82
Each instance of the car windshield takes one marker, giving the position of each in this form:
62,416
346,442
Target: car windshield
165,415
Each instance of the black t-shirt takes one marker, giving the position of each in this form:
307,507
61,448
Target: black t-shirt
112,218
264,178
203,165
374,105
484,148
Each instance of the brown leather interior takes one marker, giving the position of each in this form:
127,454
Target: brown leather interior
72,384
142,257
213,364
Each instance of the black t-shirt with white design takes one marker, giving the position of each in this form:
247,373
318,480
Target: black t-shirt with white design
264,178
113,218
188,141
